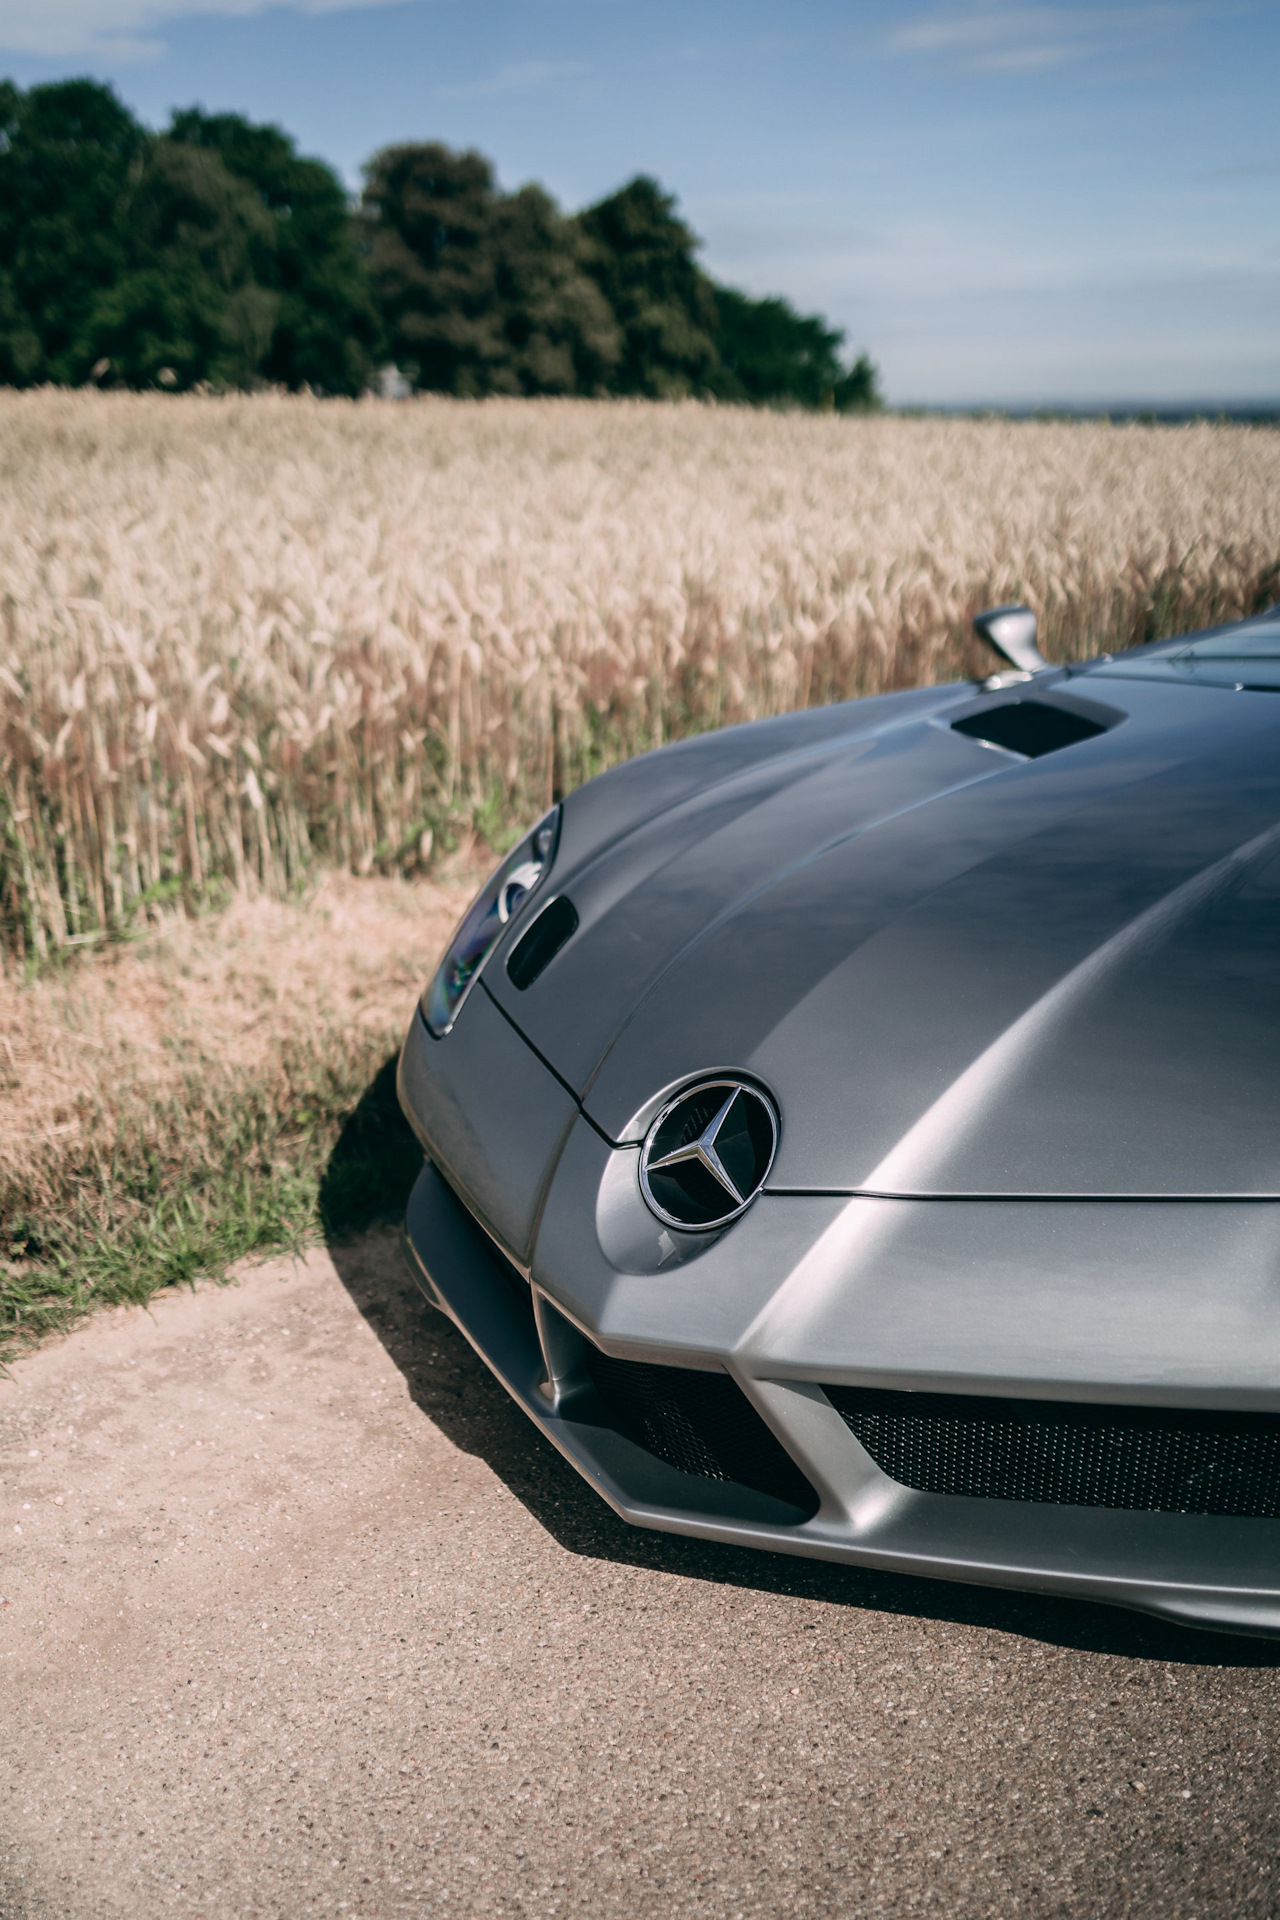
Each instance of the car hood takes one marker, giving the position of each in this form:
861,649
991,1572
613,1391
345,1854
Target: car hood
960,973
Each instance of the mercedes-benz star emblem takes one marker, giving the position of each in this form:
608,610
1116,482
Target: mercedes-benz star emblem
707,1154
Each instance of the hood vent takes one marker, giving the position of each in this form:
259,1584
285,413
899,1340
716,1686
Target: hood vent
536,949
1029,727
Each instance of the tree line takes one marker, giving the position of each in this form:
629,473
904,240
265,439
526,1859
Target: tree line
214,253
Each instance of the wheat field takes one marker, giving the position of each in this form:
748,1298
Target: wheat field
243,637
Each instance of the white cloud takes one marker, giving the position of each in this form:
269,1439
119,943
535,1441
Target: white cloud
1249,173
526,77
1024,39
124,30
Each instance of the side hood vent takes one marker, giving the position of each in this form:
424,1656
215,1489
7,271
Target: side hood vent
1029,727
535,950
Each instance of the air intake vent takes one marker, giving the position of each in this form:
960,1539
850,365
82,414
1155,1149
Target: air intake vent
1140,1459
535,950
701,1423
1027,726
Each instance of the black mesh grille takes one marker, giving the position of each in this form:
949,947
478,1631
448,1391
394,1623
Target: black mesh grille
701,1423
1142,1459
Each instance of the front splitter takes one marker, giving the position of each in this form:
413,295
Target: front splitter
1197,1570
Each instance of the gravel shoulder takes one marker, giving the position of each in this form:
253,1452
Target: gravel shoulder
299,1616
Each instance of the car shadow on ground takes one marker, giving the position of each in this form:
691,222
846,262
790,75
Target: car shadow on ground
367,1181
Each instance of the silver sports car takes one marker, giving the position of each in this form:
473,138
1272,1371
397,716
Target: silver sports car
857,1134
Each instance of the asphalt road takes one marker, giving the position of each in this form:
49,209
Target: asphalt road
300,1617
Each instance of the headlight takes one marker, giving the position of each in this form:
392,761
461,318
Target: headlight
486,920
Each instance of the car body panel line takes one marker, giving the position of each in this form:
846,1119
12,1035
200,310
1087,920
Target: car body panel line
1128,1559
1019,1199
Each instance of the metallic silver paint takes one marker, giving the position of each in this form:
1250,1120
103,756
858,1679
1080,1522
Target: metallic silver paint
1201,1571
1022,1020
490,1115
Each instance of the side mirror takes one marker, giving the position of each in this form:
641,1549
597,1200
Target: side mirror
1012,632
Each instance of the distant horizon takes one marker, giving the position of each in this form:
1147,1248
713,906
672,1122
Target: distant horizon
988,196
1264,412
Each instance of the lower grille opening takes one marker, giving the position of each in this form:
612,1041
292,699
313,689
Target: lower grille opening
701,1423
1062,1453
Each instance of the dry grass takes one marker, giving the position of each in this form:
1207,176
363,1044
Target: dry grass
240,635
248,643
89,1050
174,1103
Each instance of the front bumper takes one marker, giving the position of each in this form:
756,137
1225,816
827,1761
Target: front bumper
1201,1570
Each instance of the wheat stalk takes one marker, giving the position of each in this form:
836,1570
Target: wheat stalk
238,636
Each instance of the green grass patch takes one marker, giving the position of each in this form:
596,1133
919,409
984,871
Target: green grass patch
208,1178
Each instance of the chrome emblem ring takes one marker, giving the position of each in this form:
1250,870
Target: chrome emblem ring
708,1153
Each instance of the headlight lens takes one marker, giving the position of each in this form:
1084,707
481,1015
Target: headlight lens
486,920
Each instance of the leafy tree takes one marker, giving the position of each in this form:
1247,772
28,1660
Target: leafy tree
67,153
194,301
215,252
684,334
21,348
426,213
641,257
326,330
480,291
559,333
770,352
859,390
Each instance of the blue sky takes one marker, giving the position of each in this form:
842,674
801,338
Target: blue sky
1004,203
